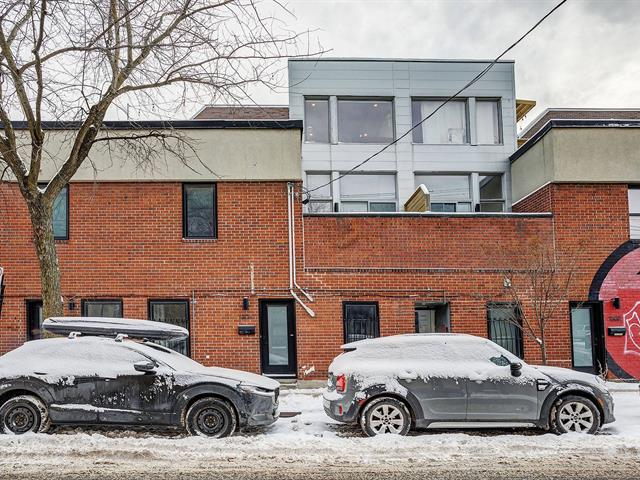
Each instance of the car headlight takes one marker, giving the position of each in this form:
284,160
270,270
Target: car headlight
255,390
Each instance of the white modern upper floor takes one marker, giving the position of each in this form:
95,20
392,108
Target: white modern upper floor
351,108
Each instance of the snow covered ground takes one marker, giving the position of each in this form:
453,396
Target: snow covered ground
312,439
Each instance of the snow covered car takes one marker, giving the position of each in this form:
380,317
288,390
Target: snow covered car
393,384
97,380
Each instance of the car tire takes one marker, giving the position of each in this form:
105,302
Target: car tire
211,417
385,415
23,414
575,413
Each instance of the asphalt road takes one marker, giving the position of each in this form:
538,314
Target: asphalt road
614,466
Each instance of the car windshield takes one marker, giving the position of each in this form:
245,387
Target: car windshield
169,357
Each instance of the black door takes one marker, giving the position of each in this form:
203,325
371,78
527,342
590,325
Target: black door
587,337
34,319
278,338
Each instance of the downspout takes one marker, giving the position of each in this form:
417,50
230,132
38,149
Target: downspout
292,255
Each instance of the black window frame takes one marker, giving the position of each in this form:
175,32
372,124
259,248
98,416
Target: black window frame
185,220
68,190
344,318
417,136
359,98
317,99
497,100
519,338
172,301
103,301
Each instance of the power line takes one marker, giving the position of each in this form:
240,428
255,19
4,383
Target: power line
452,97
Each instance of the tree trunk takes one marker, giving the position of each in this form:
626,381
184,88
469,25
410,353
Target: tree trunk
543,347
41,214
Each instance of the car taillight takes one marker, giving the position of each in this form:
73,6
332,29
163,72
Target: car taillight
341,384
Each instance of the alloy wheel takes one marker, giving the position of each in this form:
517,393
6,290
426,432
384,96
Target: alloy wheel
386,419
576,417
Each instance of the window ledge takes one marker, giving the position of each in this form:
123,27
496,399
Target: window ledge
199,240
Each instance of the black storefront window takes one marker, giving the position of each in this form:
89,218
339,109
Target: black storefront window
361,321
174,312
102,308
199,210
502,322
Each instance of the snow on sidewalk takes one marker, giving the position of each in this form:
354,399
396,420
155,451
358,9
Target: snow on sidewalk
313,438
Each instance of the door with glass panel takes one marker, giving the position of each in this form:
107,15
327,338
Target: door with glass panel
587,337
278,338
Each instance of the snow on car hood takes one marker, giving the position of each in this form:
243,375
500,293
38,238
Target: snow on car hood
564,375
246,378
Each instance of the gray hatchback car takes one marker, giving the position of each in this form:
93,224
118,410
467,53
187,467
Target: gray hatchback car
393,384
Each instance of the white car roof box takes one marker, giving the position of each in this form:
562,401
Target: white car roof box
111,327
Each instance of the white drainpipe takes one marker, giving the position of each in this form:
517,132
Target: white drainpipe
292,254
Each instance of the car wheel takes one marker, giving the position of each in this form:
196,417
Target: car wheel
211,417
23,414
385,415
575,414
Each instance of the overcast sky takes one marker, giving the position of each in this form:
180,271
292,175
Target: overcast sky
585,55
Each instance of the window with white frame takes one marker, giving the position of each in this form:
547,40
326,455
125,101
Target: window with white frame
365,120
447,126
634,211
447,193
491,193
320,197
488,122
368,193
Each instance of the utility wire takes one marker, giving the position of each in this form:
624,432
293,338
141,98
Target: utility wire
452,97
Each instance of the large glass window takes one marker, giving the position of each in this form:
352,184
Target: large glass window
365,121
102,308
491,193
581,342
488,122
503,321
199,210
634,211
174,312
320,200
447,126
316,120
447,193
368,193
360,321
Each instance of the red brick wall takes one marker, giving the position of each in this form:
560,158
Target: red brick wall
125,242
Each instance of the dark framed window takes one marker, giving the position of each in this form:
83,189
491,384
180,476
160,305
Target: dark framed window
491,193
502,320
316,120
199,216
34,319
102,308
361,321
174,312
60,214
365,120
448,125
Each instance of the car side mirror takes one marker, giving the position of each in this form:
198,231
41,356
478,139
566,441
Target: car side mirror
144,366
516,369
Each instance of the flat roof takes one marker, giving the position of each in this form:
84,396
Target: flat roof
569,123
383,59
284,124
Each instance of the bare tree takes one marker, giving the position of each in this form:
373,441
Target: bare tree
538,282
82,60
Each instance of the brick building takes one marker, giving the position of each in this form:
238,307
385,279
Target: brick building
264,287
